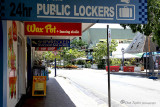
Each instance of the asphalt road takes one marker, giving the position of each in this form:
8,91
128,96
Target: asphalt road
126,91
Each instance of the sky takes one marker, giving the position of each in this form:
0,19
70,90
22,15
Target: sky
104,25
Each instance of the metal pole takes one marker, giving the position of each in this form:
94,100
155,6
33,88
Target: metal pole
122,58
153,74
146,64
109,91
60,58
55,67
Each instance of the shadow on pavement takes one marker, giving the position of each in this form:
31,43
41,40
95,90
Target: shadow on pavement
56,97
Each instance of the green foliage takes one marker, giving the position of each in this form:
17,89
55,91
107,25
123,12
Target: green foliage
80,62
88,65
100,51
49,71
101,65
127,63
133,61
115,62
70,54
78,44
153,25
88,62
49,55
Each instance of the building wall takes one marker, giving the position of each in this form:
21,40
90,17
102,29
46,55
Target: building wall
4,63
93,35
1,64
15,88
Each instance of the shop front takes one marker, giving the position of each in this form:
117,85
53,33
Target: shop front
16,48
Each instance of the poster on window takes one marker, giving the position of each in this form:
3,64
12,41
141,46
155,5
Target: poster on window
12,53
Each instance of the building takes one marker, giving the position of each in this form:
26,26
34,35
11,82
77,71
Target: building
124,37
17,58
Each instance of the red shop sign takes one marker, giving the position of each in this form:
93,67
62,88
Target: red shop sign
48,48
52,29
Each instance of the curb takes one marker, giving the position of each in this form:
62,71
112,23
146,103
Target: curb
76,95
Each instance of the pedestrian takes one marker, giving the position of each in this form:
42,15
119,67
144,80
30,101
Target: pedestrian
156,64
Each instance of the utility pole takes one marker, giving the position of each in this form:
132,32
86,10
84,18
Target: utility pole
109,91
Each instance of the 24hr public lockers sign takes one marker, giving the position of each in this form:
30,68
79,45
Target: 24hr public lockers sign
89,11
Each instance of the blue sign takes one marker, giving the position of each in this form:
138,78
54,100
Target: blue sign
50,43
86,11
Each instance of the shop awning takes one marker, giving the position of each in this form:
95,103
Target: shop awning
153,53
126,56
137,45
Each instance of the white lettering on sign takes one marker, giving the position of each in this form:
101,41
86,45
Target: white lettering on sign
82,11
94,11
53,9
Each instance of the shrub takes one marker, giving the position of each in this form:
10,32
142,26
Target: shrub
115,62
49,71
80,62
133,61
101,65
88,65
127,63
71,66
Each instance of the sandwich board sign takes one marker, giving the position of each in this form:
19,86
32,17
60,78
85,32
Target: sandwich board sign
39,86
91,11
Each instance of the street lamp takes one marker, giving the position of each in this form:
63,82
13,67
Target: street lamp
122,57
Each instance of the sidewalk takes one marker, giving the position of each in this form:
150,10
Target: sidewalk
76,95
60,93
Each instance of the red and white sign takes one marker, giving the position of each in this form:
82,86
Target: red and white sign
109,37
52,29
47,48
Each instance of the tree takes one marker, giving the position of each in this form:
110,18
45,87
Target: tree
49,55
70,54
153,25
100,50
79,44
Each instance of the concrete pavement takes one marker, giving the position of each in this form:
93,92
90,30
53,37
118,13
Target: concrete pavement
60,93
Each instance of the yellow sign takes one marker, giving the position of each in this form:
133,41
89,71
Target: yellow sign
39,86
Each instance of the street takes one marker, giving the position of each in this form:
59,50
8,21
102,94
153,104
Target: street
126,91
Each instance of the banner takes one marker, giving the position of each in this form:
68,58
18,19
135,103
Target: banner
47,48
91,11
50,43
52,29
137,45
